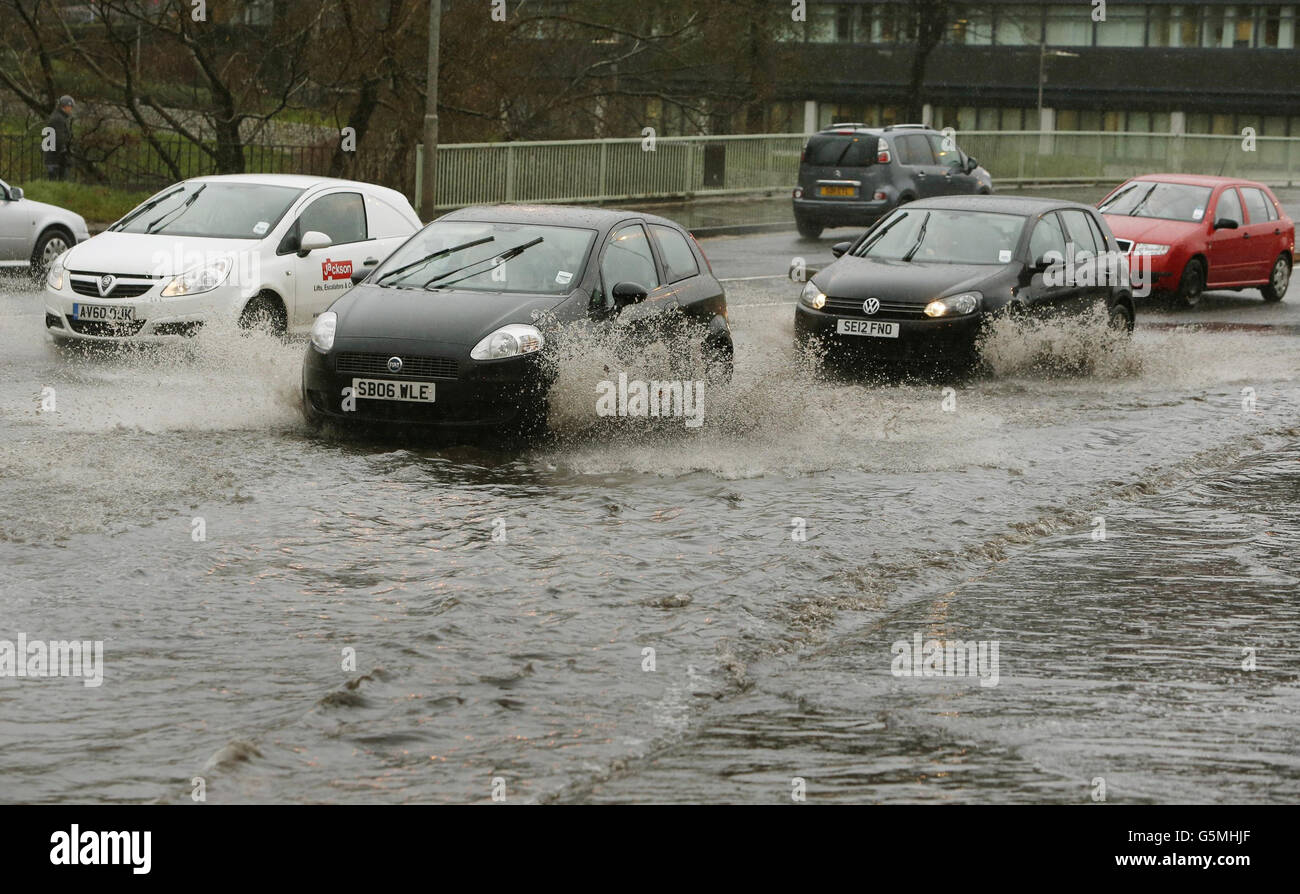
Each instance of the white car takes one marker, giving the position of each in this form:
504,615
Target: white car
269,250
33,234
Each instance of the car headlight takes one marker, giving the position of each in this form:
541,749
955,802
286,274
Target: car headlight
954,305
54,277
1150,248
199,280
813,296
509,341
322,331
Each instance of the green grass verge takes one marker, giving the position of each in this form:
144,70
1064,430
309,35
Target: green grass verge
97,204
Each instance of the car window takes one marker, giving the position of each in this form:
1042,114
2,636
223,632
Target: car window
1150,198
1078,232
1047,237
628,259
840,150
944,236
1229,206
914,149
677,256
1098,234
1258,206
340,215
947,157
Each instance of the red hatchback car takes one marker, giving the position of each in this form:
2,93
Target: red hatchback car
1202,233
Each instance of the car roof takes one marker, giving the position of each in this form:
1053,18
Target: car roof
1196,179
554,215
297,181
1022,205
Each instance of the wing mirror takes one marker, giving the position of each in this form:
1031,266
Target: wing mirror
971,164
311,241
626,293
1225,223
15,193
840,248
360,274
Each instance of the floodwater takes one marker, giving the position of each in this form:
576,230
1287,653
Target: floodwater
638,610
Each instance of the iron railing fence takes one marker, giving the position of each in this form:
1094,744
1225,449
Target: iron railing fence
620,170
685,167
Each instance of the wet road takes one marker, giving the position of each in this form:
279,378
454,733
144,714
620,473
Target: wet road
644,627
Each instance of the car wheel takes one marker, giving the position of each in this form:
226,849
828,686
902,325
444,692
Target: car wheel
808,229
49,246
266,314
1191,285
1121,318
1278,280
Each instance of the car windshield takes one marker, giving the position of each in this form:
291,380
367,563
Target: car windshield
466,253
212,209
945,236
1168,201
841,150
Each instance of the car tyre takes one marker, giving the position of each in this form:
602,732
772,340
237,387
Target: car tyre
1191,284
719,359
1279,279
52,243
266,314
808,229
1121,318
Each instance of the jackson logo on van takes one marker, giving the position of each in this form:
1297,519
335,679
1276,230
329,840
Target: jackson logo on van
336,269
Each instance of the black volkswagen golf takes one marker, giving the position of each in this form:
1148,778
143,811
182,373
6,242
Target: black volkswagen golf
453,328
923,281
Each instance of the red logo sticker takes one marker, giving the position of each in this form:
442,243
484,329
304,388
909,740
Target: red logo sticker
336,269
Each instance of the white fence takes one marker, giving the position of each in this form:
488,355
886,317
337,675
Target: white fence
595,171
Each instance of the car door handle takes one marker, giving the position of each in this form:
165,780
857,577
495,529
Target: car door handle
370,262
920,175
1245,235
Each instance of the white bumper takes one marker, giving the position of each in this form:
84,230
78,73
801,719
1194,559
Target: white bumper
152,318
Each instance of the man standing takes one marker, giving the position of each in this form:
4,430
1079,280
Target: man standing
57,140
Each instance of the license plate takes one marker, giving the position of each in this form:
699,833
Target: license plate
844,191
873,328
107,313
381,389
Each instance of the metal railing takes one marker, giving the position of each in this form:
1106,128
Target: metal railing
137,165
593,171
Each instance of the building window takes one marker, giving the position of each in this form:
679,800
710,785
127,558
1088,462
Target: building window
1069,26
844,16
1019,25
1245,27
1212,26
1125,26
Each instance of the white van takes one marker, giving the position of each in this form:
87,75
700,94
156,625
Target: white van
271,250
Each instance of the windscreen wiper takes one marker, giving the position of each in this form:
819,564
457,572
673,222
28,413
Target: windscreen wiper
920,235
433,257
188,202
152,203
497,261
876,237
1143,200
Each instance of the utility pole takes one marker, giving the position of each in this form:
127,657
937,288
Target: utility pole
429,174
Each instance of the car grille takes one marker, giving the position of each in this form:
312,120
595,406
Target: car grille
106,330
889,310
90,288
412,367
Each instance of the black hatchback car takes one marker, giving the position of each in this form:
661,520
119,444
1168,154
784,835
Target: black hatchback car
852,175
924,280
453,328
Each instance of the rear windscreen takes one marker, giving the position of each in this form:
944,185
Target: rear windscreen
841,150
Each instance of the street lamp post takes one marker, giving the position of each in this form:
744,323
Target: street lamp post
429,173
